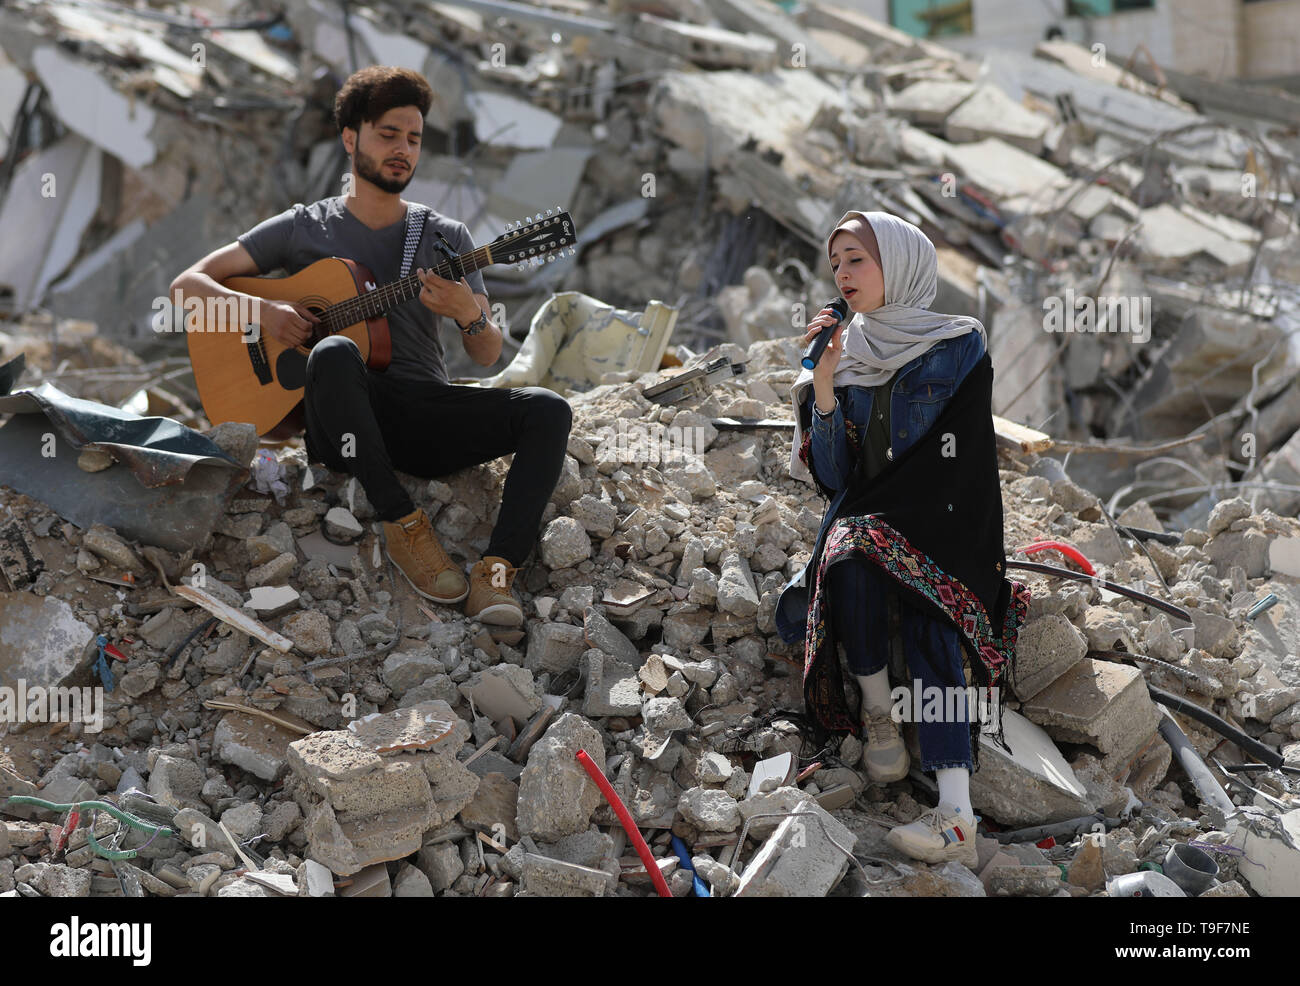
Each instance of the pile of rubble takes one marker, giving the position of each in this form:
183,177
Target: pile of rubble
288,719
330,729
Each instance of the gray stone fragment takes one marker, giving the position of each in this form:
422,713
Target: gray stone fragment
554,647
564,544
441,864
411,882
736,592
176,782
663,715
556,797
403,670
709,809
544,877
1046,648
799,859
603,635
1224,513
613,688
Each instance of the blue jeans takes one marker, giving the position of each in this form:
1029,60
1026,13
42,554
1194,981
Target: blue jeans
860,621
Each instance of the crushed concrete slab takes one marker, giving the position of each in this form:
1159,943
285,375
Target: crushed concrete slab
800,858
1032,785
1046,648
1099,703
1270,866
545,877
556,797
41,639
253,744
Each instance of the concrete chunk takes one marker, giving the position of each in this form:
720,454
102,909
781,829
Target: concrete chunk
1030,786
1099,703
556,797
545,877
1046,649
613,688
1270,866
799,859
254,744
555,647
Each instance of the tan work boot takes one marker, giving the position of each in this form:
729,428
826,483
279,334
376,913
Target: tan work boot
490,598
412,546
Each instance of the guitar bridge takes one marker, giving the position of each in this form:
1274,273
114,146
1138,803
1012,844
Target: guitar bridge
257,356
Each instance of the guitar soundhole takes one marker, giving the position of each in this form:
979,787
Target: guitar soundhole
318,331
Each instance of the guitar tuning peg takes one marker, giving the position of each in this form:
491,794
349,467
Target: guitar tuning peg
549,213
550,257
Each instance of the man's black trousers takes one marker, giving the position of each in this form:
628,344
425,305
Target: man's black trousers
430,429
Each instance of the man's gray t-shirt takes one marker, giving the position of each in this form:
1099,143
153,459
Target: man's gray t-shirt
303,234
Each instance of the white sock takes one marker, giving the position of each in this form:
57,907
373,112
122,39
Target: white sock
954,789
875,690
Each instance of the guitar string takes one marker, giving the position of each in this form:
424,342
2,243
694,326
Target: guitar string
354,309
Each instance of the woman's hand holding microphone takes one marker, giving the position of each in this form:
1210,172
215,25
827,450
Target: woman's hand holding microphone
824,370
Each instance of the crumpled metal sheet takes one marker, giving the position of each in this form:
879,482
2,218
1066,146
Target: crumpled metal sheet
158,451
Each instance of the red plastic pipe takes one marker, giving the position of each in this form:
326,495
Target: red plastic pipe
1069,550
620,809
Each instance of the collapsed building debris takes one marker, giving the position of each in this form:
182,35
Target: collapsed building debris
393,730
300,724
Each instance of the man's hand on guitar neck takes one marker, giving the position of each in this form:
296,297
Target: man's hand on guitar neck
289,323
454,299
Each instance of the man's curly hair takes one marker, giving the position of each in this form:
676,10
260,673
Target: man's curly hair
371,92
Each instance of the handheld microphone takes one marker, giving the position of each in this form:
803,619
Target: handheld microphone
818,345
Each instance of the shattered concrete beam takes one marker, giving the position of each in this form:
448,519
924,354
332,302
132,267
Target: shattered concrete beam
529,14
1249,101
709,47
794,42
635,55
882,38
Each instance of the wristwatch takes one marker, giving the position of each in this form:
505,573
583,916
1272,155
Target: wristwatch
476,326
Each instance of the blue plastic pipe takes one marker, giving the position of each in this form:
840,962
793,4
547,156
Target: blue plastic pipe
684,854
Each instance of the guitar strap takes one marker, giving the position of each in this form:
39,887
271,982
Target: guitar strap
416,216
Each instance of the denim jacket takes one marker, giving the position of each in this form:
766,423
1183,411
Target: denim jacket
920,390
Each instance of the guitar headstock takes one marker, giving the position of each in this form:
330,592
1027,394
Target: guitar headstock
535,240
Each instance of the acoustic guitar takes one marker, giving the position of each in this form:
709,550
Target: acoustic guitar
244,374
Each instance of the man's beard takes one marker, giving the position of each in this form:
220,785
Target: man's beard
367,169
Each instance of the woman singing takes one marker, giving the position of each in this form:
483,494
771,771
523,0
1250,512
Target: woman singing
895,428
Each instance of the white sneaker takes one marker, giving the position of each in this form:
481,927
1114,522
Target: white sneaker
940,835
884,754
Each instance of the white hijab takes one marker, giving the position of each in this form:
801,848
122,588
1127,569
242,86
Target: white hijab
877,344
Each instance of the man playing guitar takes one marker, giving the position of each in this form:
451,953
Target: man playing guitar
409,417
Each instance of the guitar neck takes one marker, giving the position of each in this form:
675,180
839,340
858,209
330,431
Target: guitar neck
383,299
